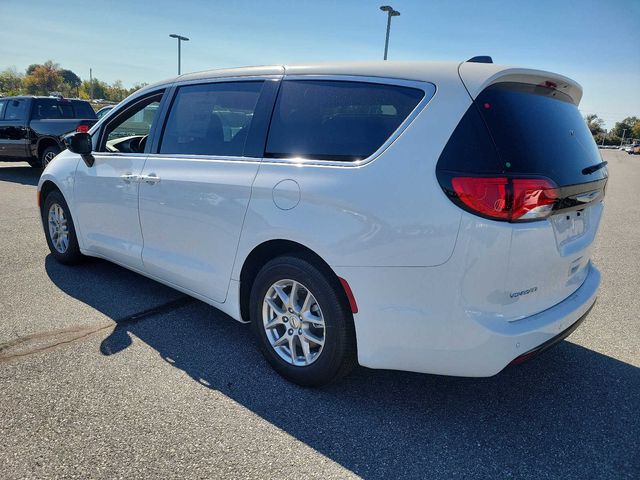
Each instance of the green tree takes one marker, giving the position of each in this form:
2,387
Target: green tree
93,89
43,79
626,124
594,123
10,82
635,131
116,92
70,83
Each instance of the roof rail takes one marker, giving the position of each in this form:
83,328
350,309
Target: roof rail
481,59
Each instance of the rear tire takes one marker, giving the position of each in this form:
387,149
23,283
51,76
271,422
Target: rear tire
48,154
298,322
59,229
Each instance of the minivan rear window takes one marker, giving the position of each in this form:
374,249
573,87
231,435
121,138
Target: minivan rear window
336,120
523,129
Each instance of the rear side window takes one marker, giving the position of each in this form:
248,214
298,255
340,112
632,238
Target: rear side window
336,120
52,109
2,104
211,119
16,110
83,110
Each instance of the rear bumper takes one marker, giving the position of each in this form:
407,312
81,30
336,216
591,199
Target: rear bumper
551,342
415,336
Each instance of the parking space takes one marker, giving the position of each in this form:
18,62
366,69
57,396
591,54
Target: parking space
106,374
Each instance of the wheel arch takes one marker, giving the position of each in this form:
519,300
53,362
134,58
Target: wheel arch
47,187
45,143
270,249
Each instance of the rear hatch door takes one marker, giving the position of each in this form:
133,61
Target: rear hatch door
538,132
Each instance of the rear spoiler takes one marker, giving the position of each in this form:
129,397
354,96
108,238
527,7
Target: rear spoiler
476,75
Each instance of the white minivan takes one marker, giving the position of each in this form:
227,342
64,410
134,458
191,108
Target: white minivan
430,217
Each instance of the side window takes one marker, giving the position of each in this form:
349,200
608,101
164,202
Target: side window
128,132
2,104
52,109
16,110
211,119
336,120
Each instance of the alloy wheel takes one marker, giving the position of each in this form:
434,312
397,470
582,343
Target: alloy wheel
293,322
47,158
58,228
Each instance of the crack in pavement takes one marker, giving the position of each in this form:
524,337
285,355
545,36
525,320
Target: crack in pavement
45,341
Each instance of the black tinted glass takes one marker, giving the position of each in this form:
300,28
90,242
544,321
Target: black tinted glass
52,109
16,110
336,120
83,110
539,131
2,104
211,119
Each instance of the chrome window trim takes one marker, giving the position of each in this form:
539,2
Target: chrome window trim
208,158
428,88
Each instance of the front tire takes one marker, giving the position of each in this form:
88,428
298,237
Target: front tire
59,229
302,321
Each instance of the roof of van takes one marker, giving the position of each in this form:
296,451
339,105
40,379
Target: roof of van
476,76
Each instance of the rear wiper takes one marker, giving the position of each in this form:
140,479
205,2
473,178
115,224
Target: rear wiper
594,168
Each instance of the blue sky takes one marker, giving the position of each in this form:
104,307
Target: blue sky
595,42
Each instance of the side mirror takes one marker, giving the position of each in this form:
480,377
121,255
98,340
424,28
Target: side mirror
80,143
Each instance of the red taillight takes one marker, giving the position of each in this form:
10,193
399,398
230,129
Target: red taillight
502,198
82,128
532,198
487,196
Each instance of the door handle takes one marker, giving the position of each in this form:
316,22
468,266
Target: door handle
129,177
151,179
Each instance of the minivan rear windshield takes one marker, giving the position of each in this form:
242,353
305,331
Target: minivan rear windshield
336,120
522,129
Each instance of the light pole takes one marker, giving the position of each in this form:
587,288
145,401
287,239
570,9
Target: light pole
180,39
390,13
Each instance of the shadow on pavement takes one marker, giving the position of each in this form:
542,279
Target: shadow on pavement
570,413
25,175
109,288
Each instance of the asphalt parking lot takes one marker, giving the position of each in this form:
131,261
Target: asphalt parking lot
106,374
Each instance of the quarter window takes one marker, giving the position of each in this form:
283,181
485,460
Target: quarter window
336,120
83,109
211,119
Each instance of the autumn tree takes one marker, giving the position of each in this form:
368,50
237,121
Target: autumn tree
43,79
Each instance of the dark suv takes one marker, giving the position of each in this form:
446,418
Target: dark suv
31,128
